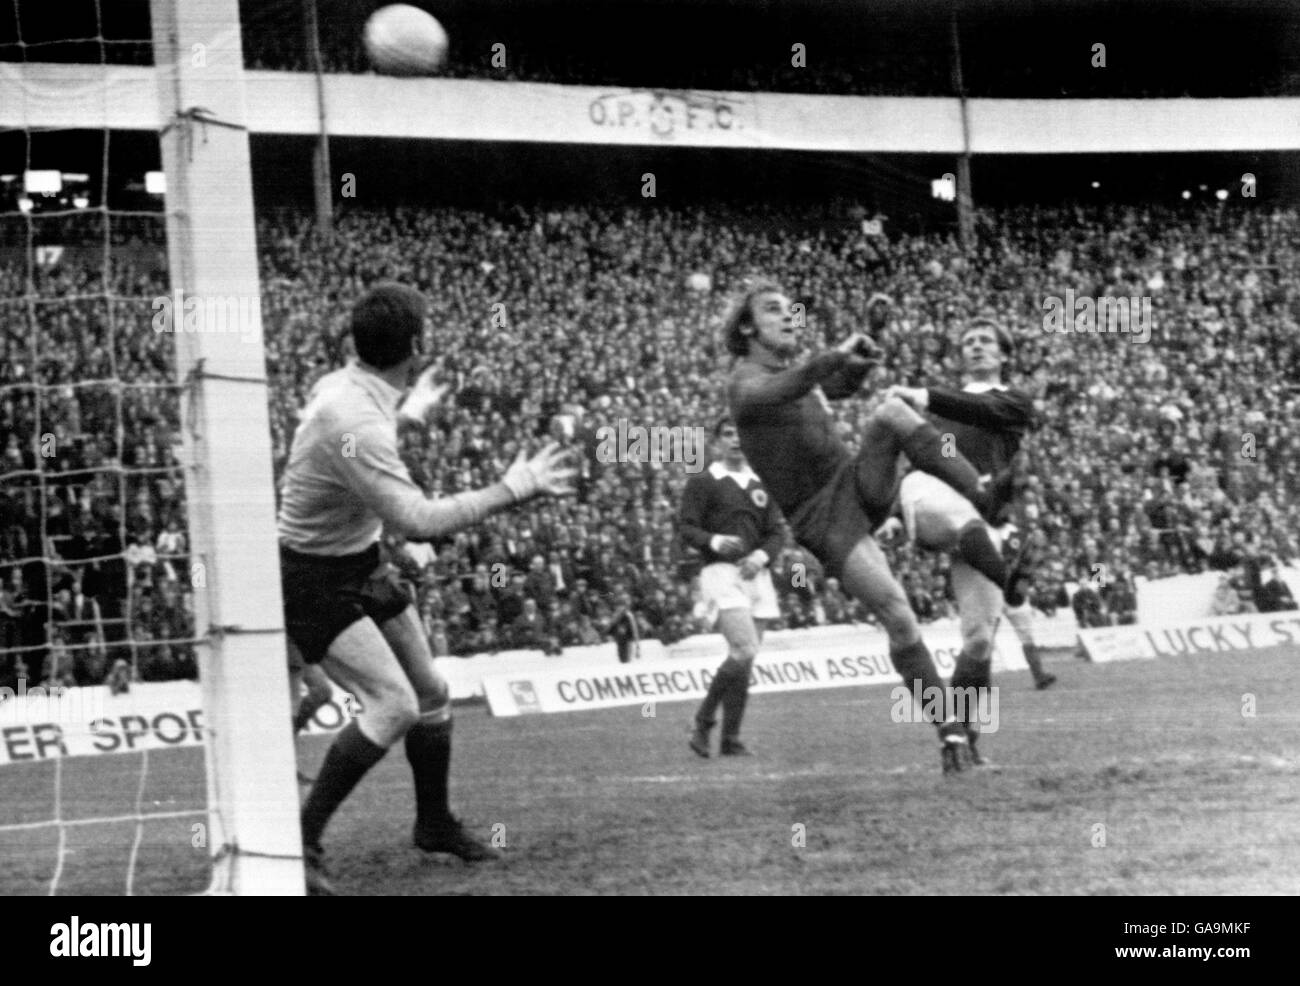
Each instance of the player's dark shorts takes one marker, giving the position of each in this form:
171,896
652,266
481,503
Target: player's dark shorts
851,506
326,594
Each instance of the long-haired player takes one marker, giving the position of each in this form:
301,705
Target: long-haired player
832,499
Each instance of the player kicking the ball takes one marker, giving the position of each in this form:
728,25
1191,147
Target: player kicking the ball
345,482
988,422
731,524
833,500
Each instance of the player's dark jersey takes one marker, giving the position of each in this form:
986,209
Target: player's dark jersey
988,423
721,502
792,443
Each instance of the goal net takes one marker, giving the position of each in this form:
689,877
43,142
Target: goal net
144,709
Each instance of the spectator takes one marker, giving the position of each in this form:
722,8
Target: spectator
529,630
1273,595
1226,600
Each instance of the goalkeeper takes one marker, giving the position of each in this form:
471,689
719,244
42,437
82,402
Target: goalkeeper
344,482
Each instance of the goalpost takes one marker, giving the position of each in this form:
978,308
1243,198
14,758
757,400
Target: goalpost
212,257
193,98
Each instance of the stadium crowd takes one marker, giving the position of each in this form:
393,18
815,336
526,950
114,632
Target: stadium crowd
1153,459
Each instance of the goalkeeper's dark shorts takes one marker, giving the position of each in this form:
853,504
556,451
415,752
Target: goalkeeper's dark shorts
856,501
326,594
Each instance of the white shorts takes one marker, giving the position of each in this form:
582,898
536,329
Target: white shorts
928,503
721,587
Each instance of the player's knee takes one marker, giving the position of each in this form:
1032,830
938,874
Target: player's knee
436,698
744,652
397,709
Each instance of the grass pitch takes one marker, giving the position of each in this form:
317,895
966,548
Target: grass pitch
1144,777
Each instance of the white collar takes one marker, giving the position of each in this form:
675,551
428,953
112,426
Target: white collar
718,470
977,387
380,390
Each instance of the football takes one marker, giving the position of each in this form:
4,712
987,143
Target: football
405,40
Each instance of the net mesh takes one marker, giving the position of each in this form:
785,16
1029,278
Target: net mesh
98,578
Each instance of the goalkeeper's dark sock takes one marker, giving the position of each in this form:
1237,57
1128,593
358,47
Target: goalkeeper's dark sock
976,548
428,749
349,758
734,700
917,669
925,450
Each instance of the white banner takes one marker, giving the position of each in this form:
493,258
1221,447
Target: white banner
792,660
1213,635
124,97
465,674
942,636
90,721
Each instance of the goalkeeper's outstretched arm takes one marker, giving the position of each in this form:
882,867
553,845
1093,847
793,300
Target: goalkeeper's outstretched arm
383,482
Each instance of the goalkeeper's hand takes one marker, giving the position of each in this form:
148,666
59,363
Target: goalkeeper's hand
424,396
548,473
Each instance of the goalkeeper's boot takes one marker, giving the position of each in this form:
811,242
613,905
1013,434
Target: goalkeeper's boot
734,748
954,751
449,836
699,741
318,881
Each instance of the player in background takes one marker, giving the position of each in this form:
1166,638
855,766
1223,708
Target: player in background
833,500
732,527
987,421
343,484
